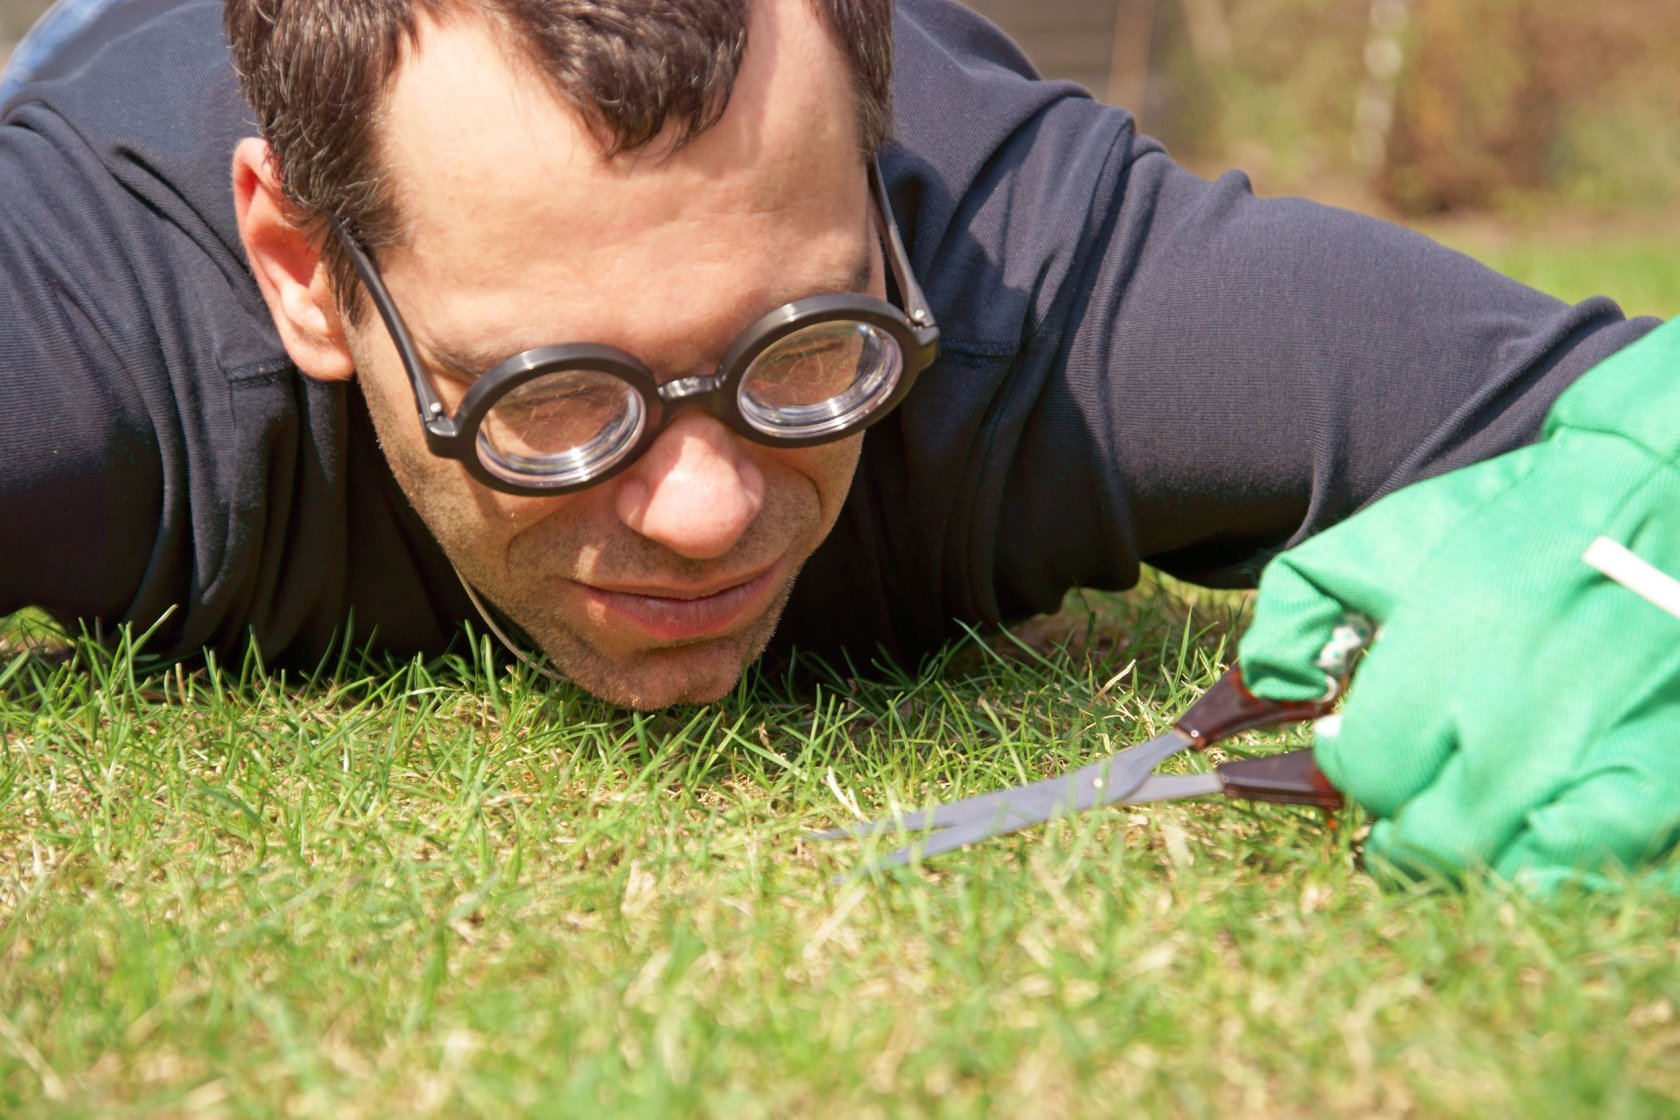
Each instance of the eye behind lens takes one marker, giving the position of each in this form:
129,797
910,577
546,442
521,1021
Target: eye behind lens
824,379
561,429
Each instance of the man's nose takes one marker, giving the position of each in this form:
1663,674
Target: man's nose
695,491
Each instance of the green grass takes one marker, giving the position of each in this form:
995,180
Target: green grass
457,889
1641,271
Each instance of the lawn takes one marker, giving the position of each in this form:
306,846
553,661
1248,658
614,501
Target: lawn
1641,269
458,889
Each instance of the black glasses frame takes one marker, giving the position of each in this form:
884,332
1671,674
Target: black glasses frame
456,437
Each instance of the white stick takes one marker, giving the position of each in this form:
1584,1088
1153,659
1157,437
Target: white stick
1635,573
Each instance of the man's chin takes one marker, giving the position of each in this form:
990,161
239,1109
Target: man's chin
695,672
660,678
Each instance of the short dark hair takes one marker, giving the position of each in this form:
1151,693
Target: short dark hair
316,73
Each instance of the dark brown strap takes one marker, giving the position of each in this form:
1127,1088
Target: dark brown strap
1229,707
1292,778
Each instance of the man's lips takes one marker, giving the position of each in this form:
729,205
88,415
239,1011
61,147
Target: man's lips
679,614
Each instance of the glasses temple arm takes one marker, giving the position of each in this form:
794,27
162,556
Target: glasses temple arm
431,407
898,259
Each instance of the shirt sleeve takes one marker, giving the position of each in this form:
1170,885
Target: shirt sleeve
80,469
1142,366
162,461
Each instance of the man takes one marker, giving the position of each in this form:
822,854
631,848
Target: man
1136,365
531,236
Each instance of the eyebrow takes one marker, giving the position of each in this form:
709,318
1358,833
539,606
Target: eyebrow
468,363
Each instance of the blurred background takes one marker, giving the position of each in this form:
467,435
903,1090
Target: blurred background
15,18
1480,121
1421,107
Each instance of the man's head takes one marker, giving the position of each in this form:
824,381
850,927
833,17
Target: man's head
645,174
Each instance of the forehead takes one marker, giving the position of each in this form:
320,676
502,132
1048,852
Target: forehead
514,222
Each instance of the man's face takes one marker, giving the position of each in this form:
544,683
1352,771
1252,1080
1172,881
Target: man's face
661,584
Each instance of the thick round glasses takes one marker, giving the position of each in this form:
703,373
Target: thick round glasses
560,418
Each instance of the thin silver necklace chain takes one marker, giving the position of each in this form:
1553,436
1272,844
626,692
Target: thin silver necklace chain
524,658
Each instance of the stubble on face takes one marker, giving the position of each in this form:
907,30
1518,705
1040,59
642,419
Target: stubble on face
553,553
553,545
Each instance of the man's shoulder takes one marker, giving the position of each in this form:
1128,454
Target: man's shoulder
122,268
153,102
126,139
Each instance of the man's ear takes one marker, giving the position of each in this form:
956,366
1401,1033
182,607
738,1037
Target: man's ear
289,268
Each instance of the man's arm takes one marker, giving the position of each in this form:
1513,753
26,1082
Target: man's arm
170,457
1141,366
153,452
80,473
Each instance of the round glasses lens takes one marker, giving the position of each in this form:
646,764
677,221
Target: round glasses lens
561,428
824,379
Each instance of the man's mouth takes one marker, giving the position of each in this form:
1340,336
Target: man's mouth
675,614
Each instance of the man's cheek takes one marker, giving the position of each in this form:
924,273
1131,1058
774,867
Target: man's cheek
829,468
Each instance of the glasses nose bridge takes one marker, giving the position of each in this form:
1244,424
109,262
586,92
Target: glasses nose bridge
703,391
